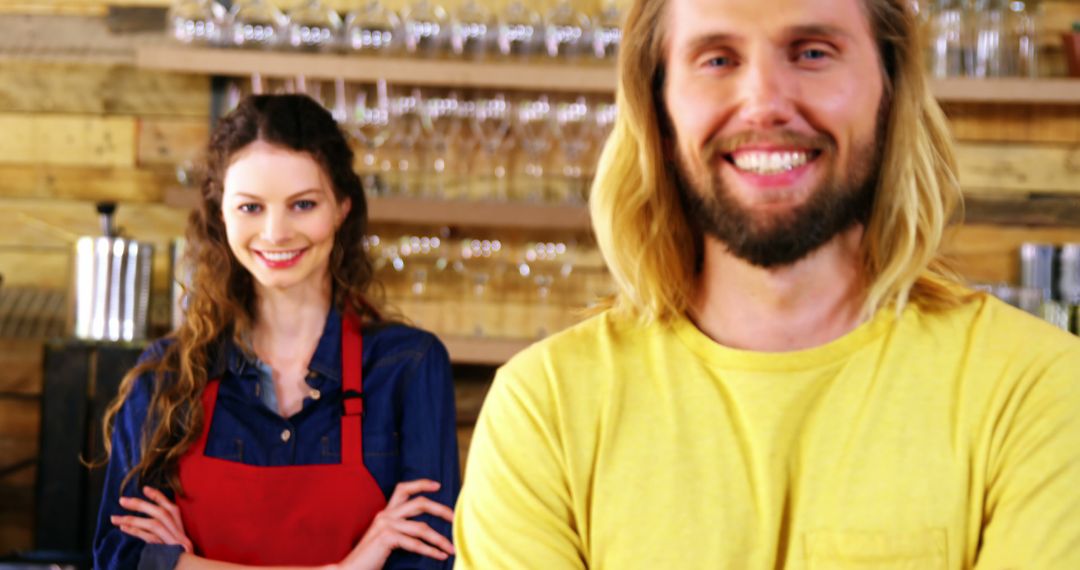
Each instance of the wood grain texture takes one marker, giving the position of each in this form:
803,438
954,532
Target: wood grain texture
44,87
169,142
973,122
83,183
991,253
67,140
21,366
1019,167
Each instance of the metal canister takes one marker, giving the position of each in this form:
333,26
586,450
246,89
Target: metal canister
1037,268
112,284
1069,273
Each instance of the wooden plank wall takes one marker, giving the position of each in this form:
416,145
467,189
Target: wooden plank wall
72,134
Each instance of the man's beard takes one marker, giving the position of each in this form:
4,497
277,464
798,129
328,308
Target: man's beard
840,201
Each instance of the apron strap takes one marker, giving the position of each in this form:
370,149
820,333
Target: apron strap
352,391
208,402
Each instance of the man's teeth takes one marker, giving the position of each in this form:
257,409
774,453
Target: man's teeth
280,255
770,162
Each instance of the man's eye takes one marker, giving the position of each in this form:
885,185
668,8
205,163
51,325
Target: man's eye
249,208
304,204
814,54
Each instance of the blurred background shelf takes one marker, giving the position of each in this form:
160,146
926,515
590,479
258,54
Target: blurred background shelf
410,71
445,212
596,78
485,351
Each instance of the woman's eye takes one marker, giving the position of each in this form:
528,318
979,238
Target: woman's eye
304,204
718,61
249,208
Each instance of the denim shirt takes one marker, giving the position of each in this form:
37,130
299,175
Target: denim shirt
409,430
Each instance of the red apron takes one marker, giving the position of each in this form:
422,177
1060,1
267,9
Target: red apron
289,515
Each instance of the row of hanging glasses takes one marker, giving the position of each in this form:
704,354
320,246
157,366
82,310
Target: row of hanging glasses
493,285
456,145
423,29
981,38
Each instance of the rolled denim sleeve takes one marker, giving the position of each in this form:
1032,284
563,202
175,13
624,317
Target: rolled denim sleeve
113,548
429,447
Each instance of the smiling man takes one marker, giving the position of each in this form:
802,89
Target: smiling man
788,377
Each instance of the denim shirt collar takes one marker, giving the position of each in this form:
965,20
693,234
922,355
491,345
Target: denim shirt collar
325,363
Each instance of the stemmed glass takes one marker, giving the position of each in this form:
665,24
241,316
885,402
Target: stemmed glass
572,129
427,28
532,131
314,27
482,261
369,126
440,127
372,28
472,29
520,30
405,121
566,31
607,31
547,265
256,24
197,22
490,125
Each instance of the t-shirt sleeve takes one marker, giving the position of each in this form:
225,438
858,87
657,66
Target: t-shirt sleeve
1033,481
515,509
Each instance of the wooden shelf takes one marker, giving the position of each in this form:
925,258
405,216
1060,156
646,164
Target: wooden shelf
538,75
1008,90
487,351
438,212
410,71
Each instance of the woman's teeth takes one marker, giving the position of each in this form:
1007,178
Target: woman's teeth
770,162
280,255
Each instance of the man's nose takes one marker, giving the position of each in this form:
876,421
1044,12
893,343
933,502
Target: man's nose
767,88
276,226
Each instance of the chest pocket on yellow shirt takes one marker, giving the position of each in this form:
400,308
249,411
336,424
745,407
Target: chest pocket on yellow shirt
880,550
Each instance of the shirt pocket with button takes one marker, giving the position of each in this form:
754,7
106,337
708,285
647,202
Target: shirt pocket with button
925,549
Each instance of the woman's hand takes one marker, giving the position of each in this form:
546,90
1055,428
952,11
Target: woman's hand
392,528
162,523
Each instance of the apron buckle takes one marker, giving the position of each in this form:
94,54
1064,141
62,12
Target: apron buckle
352,403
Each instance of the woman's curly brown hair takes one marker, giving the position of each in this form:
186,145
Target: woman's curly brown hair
220,297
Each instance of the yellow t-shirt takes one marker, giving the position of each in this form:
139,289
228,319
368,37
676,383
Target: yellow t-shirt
923,441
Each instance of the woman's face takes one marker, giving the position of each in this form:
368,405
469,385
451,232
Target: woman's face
281,216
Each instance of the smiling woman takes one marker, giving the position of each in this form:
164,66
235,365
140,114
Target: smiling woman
285,422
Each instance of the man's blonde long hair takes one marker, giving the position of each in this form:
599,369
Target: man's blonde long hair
647,240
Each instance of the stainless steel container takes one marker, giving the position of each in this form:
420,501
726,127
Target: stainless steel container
1037,268
1069,278
112,284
